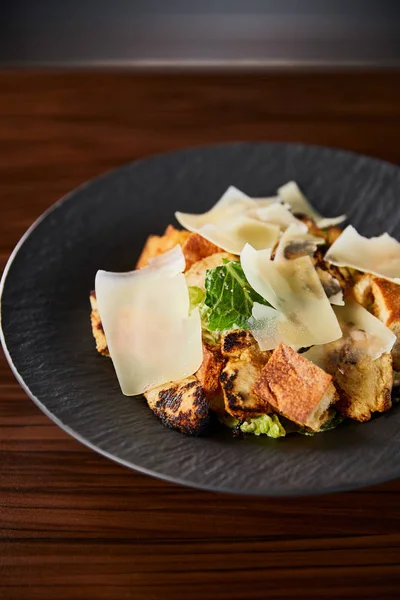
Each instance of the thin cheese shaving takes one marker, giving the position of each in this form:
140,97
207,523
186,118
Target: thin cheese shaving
363,336
277,214
228,225
231,204
294,290
290,193
151,337
377,255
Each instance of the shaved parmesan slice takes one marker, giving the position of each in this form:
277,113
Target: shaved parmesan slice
296,242
172,261
292,194
377,255
270,327
231,204
363,336
151,337
227,225
232,234
277,214
293,289
261,202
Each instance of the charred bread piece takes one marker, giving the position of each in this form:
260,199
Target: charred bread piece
180,405
296,388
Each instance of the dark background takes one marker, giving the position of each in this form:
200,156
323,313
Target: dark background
157,32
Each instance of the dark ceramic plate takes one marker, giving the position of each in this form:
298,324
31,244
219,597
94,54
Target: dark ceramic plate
48,342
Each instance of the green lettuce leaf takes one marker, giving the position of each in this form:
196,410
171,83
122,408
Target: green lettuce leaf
229,297
265,425
196,296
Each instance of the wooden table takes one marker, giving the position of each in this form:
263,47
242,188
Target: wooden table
74,525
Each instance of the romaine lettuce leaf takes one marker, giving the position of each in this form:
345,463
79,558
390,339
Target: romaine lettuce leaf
196,296
264,425
229,297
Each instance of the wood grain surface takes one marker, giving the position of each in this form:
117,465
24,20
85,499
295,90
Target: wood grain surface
74,525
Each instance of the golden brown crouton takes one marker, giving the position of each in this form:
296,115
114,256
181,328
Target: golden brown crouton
196,247
386,295
180,405
364,387
97,327
209,374
196,275
382,298
332,233
296,388
362,290
245,362
158,244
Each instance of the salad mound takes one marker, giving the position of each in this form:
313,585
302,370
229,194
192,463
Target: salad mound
260,311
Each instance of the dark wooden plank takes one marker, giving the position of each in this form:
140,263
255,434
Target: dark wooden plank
74,525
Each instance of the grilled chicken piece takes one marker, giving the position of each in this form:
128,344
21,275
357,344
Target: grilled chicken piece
97,327
158,244
244,365
209,374
364,387
196,275
341,275
180,405
296,388
331,233
331,285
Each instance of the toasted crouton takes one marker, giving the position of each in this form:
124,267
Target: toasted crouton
97,327
362,290
296,388
386,307
180,405
364,387
158,244
244,365
196,247
196,275
332,233
382,298
209,374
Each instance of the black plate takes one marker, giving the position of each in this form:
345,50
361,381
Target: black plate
103,224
